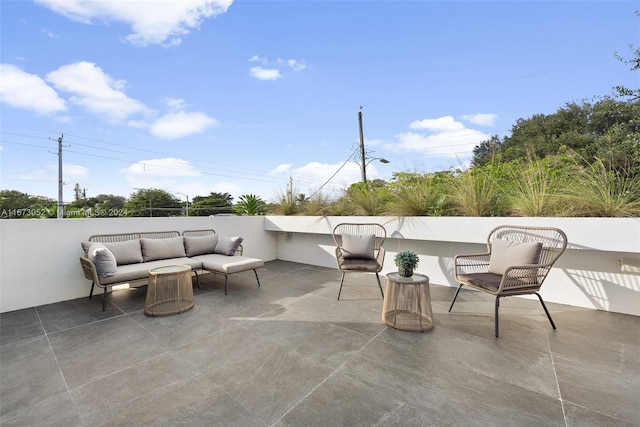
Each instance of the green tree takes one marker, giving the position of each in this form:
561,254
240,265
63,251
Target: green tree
606,130
153,202
16,204
486,151
213,204
250,204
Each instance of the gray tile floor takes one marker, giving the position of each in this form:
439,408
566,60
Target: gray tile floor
289,354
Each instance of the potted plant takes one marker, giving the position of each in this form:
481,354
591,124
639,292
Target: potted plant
406,261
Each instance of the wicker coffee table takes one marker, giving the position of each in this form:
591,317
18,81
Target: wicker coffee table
407,302
169,291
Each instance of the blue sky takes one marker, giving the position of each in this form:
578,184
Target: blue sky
242,96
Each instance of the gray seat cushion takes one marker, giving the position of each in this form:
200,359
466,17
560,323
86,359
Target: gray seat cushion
132,272
228,264
360,265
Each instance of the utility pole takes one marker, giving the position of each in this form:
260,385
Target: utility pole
187,206
60,183
363,166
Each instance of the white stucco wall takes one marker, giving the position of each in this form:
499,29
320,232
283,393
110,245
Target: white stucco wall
587,275
39,258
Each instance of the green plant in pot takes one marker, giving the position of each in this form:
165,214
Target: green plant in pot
406,261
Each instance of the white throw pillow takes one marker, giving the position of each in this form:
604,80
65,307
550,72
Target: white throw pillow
358,247
228,245
104,260
506,254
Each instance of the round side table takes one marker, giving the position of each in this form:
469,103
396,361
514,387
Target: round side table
407,302
169,291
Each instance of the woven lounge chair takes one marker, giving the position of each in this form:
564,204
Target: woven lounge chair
517,263
359,249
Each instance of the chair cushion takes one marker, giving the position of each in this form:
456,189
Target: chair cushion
488,281
227,245
358,247
228,264
127,252
505,254
370,265
200,245
103,258
154,249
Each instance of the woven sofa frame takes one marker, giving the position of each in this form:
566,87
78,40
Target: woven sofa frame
90,271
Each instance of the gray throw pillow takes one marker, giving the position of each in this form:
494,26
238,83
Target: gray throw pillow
358,247
127,252
85,247
103,259
200,245
228,245
506,254
154,249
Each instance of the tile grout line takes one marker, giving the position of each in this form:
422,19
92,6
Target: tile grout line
555,374
64,380
324,380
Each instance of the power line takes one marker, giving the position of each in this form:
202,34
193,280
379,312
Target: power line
334,174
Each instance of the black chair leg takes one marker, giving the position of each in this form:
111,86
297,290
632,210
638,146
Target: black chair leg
454,298
380,285
197,279
91,293
225,283
341,282
104,300
553,325
497,305
256,273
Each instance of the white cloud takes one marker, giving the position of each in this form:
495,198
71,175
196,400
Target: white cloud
50,34
281,169
28,91
256,58
296,65
261,73
441,124
70,173
272,70
154,169
161,22
96,91
180,124
175,103
443,136
314,174
481,119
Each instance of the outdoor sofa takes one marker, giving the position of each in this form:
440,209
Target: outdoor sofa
114,259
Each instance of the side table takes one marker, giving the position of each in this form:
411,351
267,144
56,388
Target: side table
407,302
169,291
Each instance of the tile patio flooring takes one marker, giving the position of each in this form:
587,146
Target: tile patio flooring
289,354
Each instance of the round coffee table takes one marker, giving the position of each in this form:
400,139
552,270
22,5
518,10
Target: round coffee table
169,291
407,302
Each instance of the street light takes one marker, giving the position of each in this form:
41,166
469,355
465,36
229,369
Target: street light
363,155
187,208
